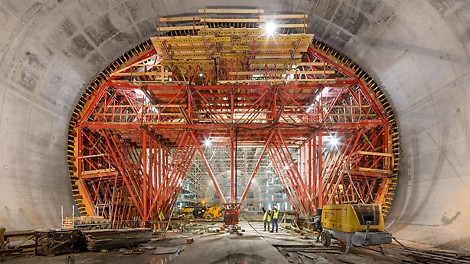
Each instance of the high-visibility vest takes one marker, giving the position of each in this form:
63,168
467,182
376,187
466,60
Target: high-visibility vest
275,214
266,216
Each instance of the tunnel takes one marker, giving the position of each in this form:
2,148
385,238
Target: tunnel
417,52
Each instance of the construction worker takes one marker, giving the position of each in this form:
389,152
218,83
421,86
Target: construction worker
275,216
267,219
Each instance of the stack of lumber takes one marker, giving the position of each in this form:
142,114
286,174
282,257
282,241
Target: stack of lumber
98,240
54,242
20,242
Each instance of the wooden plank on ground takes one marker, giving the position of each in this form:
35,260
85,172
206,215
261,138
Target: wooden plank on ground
165,250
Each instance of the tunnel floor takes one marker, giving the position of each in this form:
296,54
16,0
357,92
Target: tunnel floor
204,242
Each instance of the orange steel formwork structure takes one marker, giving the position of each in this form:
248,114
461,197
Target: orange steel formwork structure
138,128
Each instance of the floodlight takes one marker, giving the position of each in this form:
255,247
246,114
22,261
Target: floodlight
334,141
270,28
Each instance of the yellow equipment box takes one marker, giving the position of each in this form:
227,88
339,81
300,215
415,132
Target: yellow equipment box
356,224
352,217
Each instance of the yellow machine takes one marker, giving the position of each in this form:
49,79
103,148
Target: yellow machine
356,224
213,212
187,212
202,211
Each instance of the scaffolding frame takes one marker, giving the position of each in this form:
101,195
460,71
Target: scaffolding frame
142,126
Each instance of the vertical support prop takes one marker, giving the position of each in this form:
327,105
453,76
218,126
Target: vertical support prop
144,175
320,169
232,166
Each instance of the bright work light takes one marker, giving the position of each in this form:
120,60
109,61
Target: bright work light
270,28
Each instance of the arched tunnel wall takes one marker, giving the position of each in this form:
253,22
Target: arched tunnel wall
418,51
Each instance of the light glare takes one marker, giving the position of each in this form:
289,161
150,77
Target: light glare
270,28
334,141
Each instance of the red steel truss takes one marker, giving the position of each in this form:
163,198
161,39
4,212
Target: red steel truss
135,138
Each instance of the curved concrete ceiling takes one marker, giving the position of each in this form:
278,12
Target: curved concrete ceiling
417,50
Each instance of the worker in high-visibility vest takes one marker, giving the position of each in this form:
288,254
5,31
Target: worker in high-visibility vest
275,216
267,219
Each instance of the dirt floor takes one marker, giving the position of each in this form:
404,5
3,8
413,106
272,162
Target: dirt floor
207,242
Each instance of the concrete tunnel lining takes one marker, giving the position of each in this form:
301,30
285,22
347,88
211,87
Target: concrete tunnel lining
417,51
